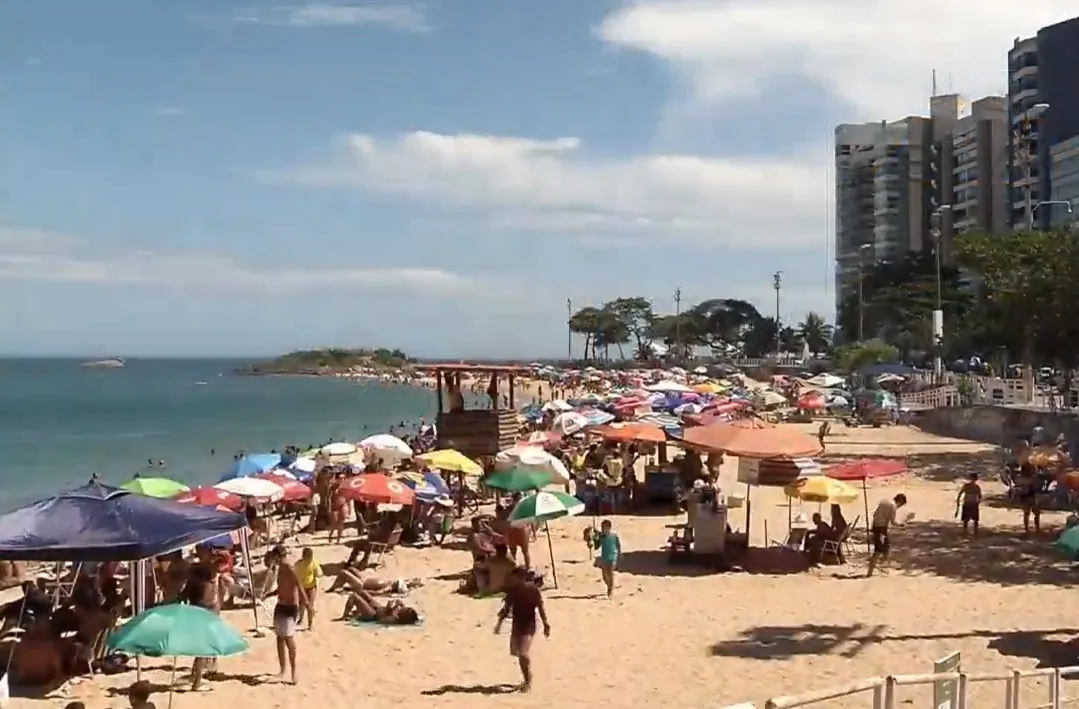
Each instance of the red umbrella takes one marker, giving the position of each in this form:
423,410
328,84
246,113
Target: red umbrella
378,488
867,469
295,491
210,497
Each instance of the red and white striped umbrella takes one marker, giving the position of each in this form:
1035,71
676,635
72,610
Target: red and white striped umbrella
294,490
379,489
210,497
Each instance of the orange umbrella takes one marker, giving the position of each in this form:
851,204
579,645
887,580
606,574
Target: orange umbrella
635,431
753,442
751,422
1069,479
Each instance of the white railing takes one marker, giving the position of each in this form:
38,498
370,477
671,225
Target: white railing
883,689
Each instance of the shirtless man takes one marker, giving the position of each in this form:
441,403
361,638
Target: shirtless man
290,598
523,601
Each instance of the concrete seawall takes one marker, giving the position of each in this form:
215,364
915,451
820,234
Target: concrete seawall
998,425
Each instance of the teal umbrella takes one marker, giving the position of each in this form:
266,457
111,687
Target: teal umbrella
177,630
518,480
1068,543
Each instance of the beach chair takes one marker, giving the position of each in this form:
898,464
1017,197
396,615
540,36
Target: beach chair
841,547
380,549
795,541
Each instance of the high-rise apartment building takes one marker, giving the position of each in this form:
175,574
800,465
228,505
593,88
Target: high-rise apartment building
1043,107
893,178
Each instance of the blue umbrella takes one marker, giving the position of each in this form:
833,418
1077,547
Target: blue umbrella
430,488
252,464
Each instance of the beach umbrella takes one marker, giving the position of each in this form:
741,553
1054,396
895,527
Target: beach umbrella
532,458
557,405
630,432
210,497
303,466
378,488
339,448
252,464
863,470
748,441
252,487
155,487
1068,543
429,486
177,630
568,423
387,447
669,386
541,508
518,480
541,439
822,490
292,490
451,461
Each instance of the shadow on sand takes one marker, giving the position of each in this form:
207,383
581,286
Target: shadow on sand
487,689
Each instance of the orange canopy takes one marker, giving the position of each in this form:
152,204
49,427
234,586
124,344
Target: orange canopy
753,442
635,431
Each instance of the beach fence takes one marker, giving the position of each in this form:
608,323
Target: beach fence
1012,689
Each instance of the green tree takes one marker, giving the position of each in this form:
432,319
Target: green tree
759,337
635,315
586,322
815,332
720,322
852,357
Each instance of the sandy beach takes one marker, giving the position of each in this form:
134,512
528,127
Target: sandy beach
685,637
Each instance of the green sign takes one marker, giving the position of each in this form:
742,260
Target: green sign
946,692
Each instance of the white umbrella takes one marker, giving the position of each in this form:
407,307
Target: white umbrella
303,465
557,405
825,380
769,398
387,447
252,487
701,370
339,448
568,423
669,385
533,459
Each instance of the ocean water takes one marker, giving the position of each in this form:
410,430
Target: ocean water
60,423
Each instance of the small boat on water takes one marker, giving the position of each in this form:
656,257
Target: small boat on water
114,363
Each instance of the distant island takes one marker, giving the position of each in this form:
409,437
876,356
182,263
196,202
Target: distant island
332,361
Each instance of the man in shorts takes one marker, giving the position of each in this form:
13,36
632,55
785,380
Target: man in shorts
523,602
286,614
968,503
883,519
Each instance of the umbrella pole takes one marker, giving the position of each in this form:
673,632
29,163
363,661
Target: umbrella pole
865,500
550,550
245,548
172,682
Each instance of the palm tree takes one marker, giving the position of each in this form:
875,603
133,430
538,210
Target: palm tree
815,332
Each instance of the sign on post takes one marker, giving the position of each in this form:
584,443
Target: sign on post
946,692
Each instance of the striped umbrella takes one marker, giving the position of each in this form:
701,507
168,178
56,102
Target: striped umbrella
542,507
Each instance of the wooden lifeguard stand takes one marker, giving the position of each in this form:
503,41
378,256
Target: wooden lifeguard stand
476,432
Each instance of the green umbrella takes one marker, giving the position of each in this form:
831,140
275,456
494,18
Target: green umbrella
518,480
1068,543
177,630
542,507
155,487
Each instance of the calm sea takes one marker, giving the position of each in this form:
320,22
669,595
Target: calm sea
60,423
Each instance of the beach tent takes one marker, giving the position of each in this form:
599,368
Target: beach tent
98,522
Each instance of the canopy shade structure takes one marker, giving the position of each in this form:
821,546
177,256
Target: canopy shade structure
98,522
752,442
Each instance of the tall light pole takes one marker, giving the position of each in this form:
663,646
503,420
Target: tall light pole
938,313
569,330
861,277
678,322
777,283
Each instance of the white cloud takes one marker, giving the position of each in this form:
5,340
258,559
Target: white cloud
35,255
556,185
405,17
876,54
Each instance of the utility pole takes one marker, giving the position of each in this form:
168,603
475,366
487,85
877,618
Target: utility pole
678,321
569,330
777,283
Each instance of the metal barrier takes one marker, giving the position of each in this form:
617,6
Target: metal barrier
883,689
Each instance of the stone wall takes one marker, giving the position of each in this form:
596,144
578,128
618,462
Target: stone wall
999,425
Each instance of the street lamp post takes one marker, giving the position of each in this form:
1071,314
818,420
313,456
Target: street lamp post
777,283
1052,203
569,330
861,277
938,313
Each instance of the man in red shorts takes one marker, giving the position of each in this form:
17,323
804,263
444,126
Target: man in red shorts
523,602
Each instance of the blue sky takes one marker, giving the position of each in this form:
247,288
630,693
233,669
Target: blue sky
235,178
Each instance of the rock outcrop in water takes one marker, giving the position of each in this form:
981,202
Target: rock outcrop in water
331,361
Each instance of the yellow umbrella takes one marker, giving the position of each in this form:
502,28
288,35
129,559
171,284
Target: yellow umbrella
450,460
708,388
822,489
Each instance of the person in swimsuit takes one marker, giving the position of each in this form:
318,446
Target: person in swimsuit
362,605
968,503
286,614
200,590
523,602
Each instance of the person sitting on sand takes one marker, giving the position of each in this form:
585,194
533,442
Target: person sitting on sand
372,584
492,574
819,533
363,606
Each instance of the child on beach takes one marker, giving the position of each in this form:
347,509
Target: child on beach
309,572
610,548
139,696
968,502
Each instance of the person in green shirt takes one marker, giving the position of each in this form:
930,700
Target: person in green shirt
610,548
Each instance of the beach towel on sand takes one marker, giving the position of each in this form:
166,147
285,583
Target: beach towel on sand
375,625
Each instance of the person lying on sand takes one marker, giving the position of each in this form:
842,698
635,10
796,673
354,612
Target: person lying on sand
365,607
372,584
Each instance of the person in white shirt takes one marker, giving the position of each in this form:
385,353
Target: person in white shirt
883,519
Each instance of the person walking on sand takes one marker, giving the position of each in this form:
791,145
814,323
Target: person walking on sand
522,601
309,572
610,548
968,502
290,599
883,519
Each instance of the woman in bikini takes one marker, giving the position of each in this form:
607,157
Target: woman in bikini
365,607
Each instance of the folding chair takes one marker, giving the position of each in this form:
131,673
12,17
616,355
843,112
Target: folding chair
795,540
379,549
838,547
